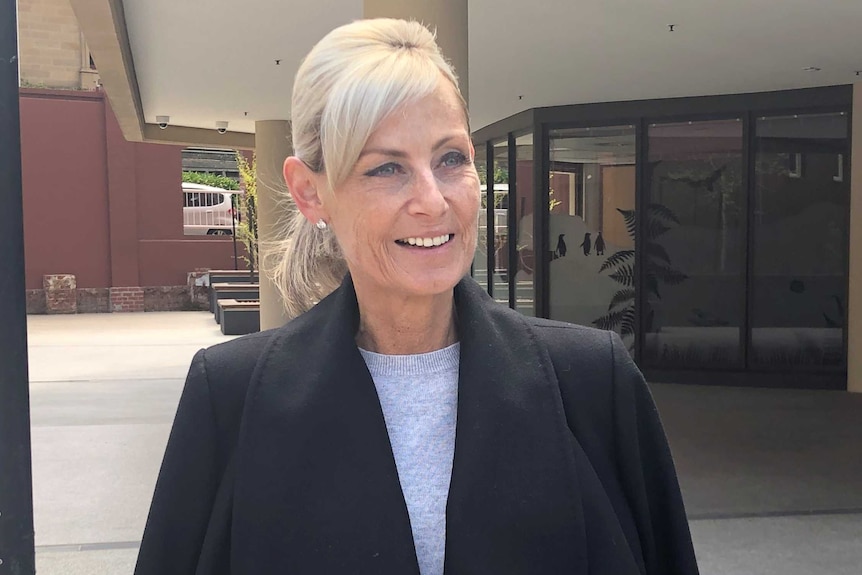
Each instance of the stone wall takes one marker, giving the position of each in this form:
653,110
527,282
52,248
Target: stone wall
93,300
171,298
60,293
52,52
36,302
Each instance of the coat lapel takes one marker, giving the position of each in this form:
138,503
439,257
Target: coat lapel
514,503
317,489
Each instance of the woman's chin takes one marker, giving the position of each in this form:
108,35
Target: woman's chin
428,282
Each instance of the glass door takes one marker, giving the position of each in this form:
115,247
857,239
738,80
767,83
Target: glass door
799,272
498,193
592,227
694,245
480,259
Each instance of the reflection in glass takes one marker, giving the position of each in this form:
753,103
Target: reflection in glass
523,214
799,242
592,207
480,259
693,235
500,184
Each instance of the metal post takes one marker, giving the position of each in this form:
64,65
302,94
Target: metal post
17,553
233,212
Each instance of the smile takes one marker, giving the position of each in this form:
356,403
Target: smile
432,242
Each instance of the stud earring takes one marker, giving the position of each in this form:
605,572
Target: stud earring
321,225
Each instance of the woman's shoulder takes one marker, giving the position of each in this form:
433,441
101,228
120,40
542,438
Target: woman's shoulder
570,334
572,329
240,354
228,368
585,350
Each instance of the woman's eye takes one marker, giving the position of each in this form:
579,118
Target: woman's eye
385,170
454,159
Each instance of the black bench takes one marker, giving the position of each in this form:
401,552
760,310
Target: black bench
239,317
233,276
231,291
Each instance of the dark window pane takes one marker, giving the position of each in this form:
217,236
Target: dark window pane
693,252
592,210
800,242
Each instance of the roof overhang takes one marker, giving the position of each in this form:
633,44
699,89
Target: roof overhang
235,62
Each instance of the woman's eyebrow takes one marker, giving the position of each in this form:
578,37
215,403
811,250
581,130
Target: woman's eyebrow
401,153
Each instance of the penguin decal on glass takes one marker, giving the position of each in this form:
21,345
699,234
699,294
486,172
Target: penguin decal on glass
587,245
600,245
560,252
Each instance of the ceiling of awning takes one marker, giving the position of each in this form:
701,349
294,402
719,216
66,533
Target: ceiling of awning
203,61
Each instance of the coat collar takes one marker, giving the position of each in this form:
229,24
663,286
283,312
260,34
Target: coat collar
317,488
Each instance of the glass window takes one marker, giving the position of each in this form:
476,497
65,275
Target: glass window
800,241
693,252
592,211
480,260
523,215
499,180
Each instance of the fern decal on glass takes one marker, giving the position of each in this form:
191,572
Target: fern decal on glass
621,267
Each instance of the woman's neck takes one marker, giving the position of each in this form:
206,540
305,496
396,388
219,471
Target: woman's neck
394,326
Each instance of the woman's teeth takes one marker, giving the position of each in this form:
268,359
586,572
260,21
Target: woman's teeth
426,242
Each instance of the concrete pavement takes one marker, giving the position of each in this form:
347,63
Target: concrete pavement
104,389
772,478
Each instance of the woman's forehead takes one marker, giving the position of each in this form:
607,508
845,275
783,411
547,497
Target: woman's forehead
430,117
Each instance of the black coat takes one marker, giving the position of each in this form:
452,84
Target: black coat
279,461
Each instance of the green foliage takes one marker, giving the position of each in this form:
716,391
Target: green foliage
246,231
501,175
214,180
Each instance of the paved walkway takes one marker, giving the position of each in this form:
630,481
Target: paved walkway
772,478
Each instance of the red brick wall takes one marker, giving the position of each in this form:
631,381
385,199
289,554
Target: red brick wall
125,299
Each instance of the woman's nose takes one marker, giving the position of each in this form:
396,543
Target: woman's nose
427,196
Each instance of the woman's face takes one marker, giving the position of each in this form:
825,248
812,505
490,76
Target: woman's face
406,216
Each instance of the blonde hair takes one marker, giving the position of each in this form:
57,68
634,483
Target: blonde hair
347,85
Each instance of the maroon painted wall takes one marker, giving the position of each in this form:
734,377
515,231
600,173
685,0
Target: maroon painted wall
96,206
65,192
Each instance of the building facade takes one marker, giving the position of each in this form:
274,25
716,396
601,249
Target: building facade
712,233
103,216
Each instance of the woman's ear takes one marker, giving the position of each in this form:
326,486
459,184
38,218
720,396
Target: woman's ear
303,185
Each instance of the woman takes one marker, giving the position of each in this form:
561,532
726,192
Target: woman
406,424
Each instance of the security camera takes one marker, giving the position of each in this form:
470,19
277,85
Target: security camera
163,121
221,127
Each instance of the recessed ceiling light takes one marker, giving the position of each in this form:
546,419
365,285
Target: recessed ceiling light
811,69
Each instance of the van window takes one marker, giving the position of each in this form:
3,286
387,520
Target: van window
201,199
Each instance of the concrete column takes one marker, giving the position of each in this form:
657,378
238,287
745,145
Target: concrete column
448,17
273,145
854,307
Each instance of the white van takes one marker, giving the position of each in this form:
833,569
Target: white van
207,211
